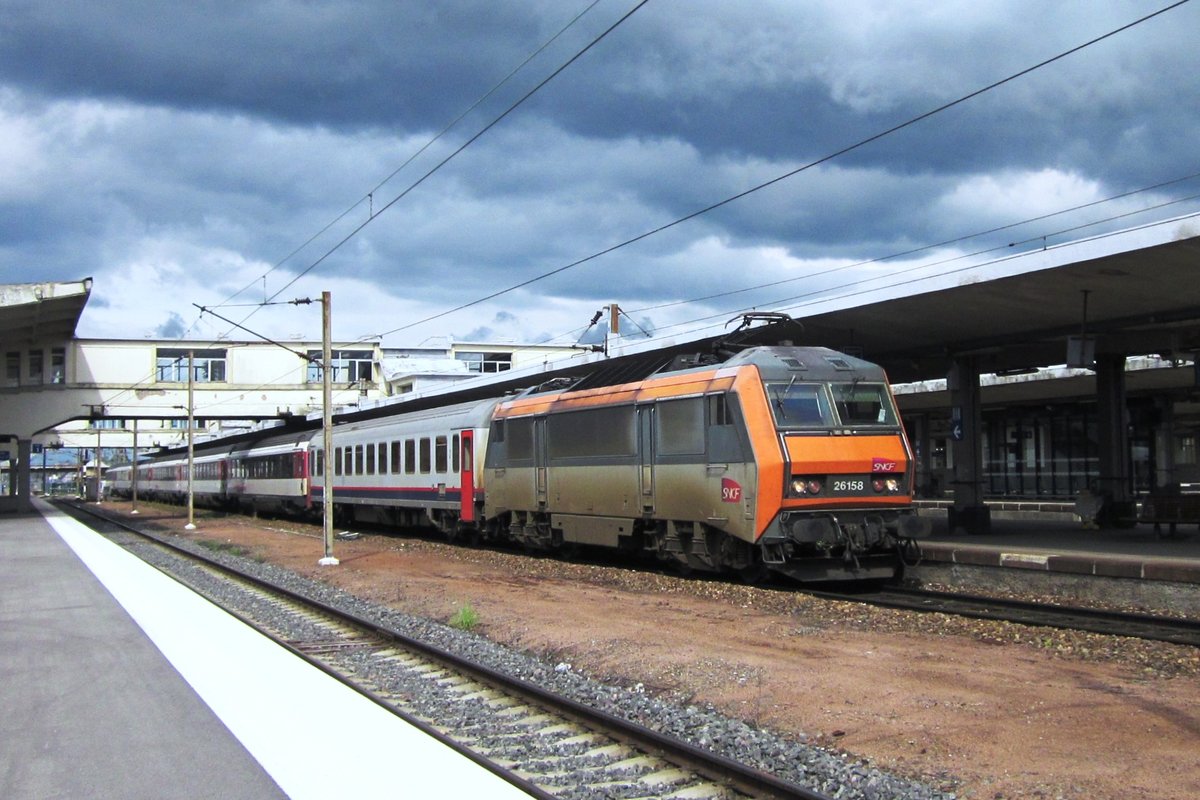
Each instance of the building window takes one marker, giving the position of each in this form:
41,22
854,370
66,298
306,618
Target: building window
12,368
58,365
35,367
171,365
486,362
1185,453
348,366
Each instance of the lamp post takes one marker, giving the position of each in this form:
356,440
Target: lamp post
191,523
133,469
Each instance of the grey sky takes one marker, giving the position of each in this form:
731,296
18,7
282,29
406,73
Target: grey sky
177,152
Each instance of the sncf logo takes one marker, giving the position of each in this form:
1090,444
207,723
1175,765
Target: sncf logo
731,491
882,465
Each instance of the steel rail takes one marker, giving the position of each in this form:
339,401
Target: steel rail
713,766
1092,620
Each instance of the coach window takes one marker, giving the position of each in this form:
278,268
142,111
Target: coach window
397,462
370,467
359,461
425,453
439,454
318,463
337,461
410,456
383,465
454,454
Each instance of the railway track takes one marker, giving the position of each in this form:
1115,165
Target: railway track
548,745
1112,623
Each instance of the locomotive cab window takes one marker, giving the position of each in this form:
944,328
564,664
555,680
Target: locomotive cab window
800,405
864,404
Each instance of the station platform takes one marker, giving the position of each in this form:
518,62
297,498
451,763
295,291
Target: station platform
118,682
1050,539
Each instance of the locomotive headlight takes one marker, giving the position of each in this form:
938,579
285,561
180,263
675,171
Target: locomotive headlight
889,485
801,486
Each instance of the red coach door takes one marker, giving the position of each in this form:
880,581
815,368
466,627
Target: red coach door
467,473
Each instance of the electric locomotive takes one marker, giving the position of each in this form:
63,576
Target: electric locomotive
791,459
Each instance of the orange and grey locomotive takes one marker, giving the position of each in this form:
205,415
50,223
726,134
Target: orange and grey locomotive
791,459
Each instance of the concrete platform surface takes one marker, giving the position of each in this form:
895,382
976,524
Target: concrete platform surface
1064,545
118,682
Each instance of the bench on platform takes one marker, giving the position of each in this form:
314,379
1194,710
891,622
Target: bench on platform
1170,508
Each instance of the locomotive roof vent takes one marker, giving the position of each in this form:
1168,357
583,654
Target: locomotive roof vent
793,363
839,363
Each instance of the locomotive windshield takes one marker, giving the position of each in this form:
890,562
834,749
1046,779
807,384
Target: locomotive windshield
830,405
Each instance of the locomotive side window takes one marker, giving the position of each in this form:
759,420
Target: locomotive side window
718,411
864,404
596,432
681,427
520,439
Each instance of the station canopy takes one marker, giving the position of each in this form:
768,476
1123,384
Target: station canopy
32,313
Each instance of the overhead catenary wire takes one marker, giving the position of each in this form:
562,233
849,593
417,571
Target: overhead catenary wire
475,137
370,195
727,200
786,175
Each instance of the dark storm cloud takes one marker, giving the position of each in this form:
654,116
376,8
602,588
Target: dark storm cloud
339,64
206,141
